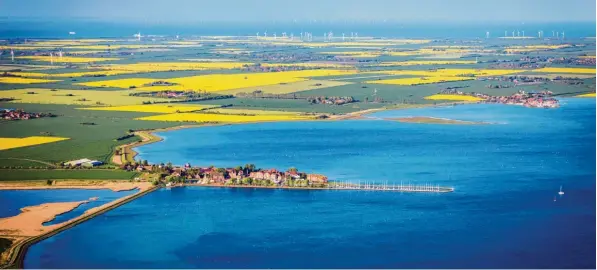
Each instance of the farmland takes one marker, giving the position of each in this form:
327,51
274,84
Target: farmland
80,97
9,143
103,89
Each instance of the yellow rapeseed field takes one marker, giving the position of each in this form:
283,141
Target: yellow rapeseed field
453,97
464,72
78,97
9,143
440,75
248,112
286,88
566,70
67,59
220,82
589,95
222,118
19,80
152,108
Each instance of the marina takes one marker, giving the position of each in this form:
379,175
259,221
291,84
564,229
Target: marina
391,187
425,188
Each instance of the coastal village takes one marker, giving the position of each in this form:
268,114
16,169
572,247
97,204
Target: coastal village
541,99
247,175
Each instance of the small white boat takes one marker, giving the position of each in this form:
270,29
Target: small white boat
72,33
561,192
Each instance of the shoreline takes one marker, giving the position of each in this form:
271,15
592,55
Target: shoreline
149,136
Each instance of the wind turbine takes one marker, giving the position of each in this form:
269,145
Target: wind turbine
265,34
522,33
12,55
562,34
342,36
51,58
487,34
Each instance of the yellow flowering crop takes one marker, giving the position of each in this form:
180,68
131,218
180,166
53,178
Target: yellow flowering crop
453,97
79,97
222,118
220,82
152,108
566,70
589,95
19,80
9,143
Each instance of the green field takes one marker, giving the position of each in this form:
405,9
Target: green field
83,174
86,141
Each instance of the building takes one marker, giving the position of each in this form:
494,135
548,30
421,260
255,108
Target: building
91,163
317,178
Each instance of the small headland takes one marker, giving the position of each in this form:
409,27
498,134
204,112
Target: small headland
434,120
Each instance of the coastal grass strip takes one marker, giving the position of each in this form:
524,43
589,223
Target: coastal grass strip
58,174
17,256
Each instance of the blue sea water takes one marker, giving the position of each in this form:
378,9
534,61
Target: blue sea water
11,201
29,28
501,215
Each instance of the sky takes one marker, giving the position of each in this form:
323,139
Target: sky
301,11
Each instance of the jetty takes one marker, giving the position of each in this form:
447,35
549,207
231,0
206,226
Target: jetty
390,187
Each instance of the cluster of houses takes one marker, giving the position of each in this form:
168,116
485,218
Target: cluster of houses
224,176
12,114
331,100
541,99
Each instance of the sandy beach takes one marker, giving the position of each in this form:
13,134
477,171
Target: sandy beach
30,221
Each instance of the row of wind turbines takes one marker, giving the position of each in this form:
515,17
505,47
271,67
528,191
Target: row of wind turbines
540,34
308,36
59,54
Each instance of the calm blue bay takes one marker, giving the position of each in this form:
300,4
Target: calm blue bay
501,215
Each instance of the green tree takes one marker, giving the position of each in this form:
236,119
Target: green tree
145,163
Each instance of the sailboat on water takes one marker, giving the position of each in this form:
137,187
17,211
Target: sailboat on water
561,192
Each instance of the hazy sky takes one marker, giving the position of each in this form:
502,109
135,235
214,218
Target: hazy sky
181,11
